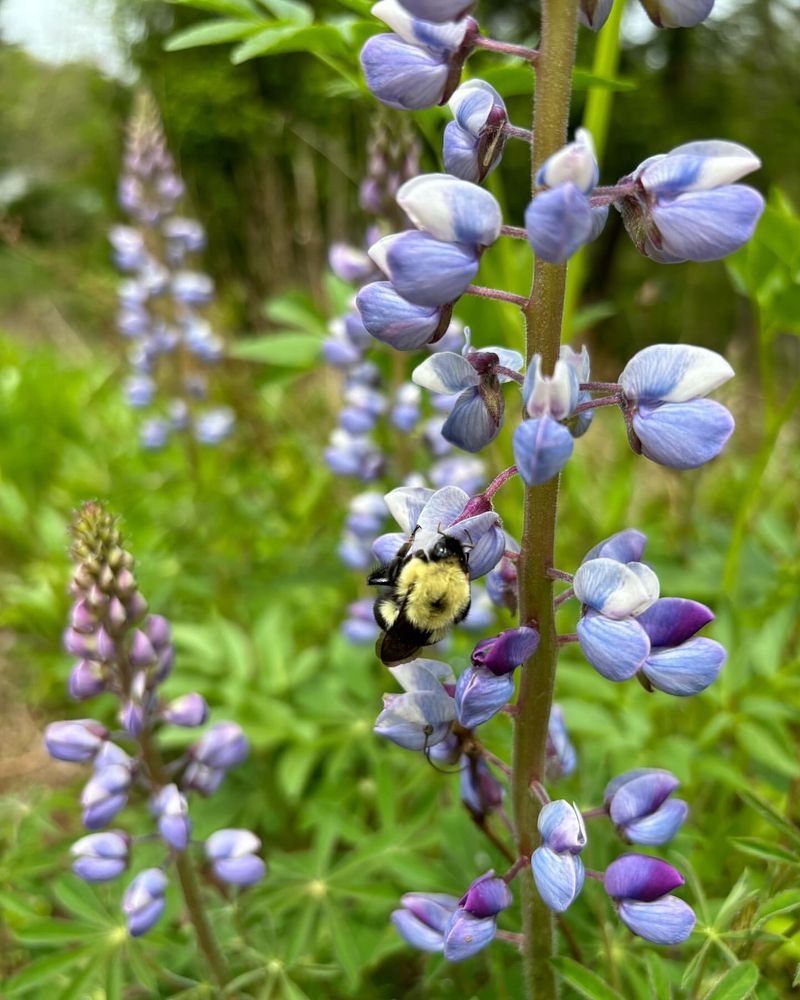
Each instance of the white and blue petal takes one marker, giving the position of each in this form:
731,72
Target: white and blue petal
686,669
664,921
615,648
386,547
472,103
390,319
707,225
424,270
447,373
617,590
561,827
460,153
439,10
416,933
558,877
442,508
441,38
416,720
575,163
698,166
541,449
451,209
624,546
406,503
683,435
487,549
403,76
423,675
594,13
660,826
466,935
559,222
471,425
673,373
553,395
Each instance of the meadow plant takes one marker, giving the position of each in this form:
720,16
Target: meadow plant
684,204
162,300
127,653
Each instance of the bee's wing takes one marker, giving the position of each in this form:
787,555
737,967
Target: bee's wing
393,648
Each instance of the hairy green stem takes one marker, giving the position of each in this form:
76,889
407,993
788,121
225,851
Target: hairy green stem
543,320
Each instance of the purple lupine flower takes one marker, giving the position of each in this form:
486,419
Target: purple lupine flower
557,868
213,426
192,288
233,856
222,747
424,270
501,582
154,433
143,902
85,680
670,421
360,626
685,205
481,694
560,219
677,13
172,813
466,935
594,13
188,710
106,792
76,741
402,325
477,416
201,778
353,455
480,790
100,857
560,756
350,263
424,918
542,444
474,142
451,209
439,10
424,715
640,887
448,511
640,806
420,65
503,653
487,896
679,663
405,413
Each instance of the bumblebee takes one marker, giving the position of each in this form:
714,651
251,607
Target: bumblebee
424,594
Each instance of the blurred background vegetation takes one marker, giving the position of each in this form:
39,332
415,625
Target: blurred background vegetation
239,550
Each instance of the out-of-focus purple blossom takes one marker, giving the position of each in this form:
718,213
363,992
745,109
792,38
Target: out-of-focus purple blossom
464,471
154,433
640,806
480,790
350,264
501,582
75,741
360,626
172,814
233,856
105,794
423,919
213,426
405,412
223,746
85,680
640,887
560,758
188,710
100,857
143,902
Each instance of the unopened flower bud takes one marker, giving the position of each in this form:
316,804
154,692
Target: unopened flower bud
487,896
233,856
503,653
172,813
141,652
222,747
143,902
188,710
76,741
104,795
85,680
100,857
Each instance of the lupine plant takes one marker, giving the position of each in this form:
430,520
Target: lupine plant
126,652
681,205
162,299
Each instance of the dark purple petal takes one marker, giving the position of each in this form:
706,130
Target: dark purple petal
638,876
504,652
673,620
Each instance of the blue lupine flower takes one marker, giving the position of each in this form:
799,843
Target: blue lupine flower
557,868
677,663
458,470
433,512
128,246
466,935
424,270
223,746
360,626
405,412
451,209
594,13
480,790
424,715
105,794
673,425
677,13
481,611
402,325
481,694
503,653
193,288
233,856
560,756
350,263
172,813
639,886
543,445
439,10
186,234
100,857
154,433
423,919
85,680
575,163
487,896
686,206
76,740
640,806
477,416
188,710
474,142
143,902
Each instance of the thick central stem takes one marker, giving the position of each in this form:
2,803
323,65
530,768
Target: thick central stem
543,318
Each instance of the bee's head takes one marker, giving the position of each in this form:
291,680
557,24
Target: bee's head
448,548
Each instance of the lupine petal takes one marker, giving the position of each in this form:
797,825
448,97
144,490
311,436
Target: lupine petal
698,166
403,76
683,435
486,552
480,695
460,153
422,675
708,225
615,589
442,508
427,271
439,37
638,793
594,13
472,103
433,909
386,547
665,921
503,652
575,163
640,877
686,669
677,13
660,827
550,395
240,871
673,373
231,843
559,877
393,321
559,222
561,825
624,546
615,648
487,896
406,503
466,935
446,373
542,447
673,620
471,425
451,209
416,933
439,10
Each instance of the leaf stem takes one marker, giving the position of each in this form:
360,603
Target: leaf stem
506,48
497,293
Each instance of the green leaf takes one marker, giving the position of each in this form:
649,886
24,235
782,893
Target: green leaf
587,983
289,349
658,977
735,900
765,849
737,983
81,899
296,309
229,8
289,10
316,39
768,812
77,987
54,932
114,977
211,33
761,745
784,902
344,945
42,970
294,767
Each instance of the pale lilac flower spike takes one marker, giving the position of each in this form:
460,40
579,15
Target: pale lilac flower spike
672,423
